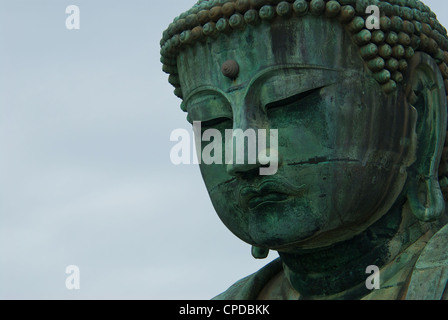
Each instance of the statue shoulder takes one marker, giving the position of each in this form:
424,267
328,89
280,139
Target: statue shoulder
250,287
430,276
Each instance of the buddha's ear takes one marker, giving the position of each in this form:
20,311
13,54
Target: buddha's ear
425,91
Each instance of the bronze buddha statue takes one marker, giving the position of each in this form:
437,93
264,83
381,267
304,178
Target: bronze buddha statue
361,115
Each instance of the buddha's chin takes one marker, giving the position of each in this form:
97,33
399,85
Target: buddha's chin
282,224
294,224
304,240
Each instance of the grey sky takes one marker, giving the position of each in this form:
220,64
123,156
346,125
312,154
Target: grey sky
85,121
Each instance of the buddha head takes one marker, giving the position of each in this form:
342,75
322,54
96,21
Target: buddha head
361,112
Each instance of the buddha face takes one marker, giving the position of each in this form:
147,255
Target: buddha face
343,144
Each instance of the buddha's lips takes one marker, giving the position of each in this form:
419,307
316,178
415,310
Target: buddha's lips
270,190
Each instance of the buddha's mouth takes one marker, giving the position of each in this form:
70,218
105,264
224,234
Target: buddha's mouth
259,200
275,188
271,190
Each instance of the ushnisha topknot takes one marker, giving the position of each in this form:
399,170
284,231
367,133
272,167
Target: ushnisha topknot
406,26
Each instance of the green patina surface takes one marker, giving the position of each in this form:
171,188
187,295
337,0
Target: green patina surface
361,118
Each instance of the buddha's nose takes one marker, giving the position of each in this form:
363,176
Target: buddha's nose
263,166
251,149
247,167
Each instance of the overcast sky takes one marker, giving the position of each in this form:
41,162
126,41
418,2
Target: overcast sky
86,177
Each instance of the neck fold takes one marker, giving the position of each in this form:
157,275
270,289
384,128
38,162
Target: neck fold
340,270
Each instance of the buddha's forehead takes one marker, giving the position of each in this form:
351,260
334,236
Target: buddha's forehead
307,42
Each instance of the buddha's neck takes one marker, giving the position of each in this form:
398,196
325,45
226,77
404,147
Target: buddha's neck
340,270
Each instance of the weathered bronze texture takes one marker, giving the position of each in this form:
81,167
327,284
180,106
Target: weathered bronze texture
230,69
362,122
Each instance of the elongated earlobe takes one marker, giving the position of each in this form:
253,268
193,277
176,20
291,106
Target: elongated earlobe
260,253
426,93
425,198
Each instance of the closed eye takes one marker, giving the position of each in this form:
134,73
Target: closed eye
294,98
214,122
